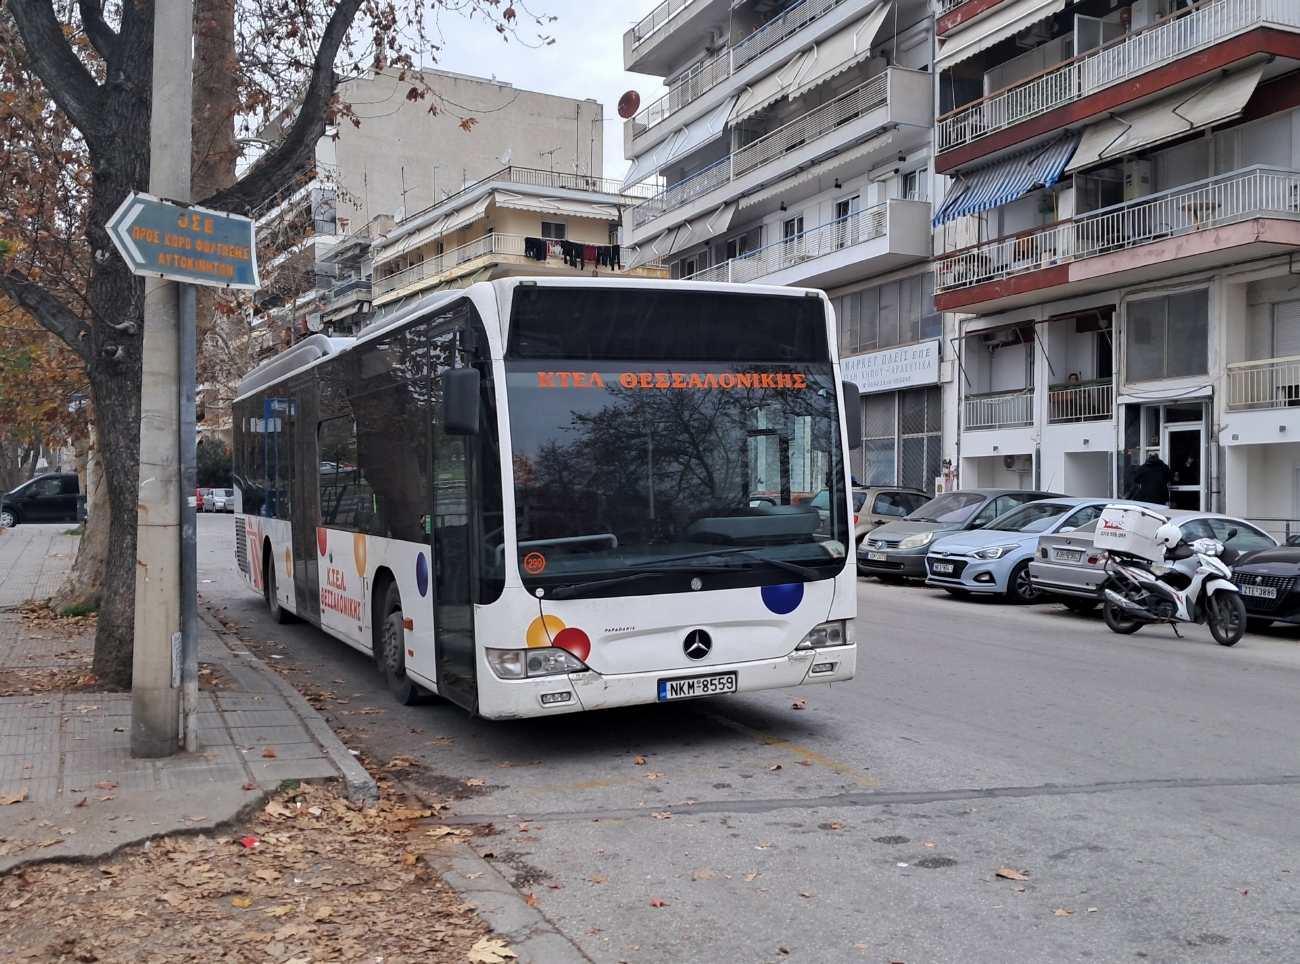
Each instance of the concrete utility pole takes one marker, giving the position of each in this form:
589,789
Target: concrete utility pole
155,690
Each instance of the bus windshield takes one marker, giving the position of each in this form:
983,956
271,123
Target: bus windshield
678,467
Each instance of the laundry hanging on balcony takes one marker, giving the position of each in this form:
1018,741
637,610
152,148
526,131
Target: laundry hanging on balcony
679,143
1006,20
1193,109
1006,180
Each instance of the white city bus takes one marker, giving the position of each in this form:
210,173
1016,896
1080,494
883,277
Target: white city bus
537,496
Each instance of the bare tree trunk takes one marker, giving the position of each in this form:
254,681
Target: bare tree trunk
84,585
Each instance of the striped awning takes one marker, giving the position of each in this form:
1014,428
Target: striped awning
1006,180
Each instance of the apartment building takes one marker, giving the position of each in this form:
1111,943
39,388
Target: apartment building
516,221
1117,232
792,144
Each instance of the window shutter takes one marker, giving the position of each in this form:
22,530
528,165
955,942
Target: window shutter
1286,329
1267,142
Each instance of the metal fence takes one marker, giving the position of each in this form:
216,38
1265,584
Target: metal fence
778,28
1208,23
1270,383
1090,401
436,265
687,88
999,410
788,252
946,6
660,15
1214,202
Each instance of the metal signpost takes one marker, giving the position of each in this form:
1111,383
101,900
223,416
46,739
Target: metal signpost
192,246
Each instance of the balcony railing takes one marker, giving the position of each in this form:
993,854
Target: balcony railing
664,14
816,123
1208,23
710,73
947,6
999,410
788,252
871,95
1227,199
432,267
1271,383
345,288
1090,401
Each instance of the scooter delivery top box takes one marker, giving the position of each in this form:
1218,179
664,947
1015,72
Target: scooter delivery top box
1129,529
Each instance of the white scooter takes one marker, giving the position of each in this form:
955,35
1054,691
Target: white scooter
1196,588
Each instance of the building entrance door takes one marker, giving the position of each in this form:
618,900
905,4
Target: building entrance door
1185,453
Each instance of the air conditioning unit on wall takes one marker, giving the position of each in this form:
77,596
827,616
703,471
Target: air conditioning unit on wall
1018,463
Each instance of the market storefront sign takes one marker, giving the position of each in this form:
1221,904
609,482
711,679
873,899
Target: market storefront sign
894,368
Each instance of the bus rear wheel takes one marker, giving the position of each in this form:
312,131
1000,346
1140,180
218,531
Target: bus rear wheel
391,652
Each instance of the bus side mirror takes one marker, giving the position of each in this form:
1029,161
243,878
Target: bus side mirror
460,401
852,413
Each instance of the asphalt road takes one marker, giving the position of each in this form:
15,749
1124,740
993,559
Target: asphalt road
1147,785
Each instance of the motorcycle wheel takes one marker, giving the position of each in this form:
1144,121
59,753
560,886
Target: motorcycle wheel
1118,620
1226,614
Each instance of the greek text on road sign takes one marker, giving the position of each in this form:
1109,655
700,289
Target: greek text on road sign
191,244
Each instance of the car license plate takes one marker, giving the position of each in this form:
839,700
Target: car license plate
1069,555
684,689
941,567
1263,592
877,557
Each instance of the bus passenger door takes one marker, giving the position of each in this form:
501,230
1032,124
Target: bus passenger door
452,501
305,500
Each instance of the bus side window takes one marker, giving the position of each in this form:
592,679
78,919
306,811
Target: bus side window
341,492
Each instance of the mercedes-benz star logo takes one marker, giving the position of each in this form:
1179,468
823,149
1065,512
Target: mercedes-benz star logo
698,644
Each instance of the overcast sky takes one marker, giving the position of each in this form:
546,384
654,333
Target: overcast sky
586,59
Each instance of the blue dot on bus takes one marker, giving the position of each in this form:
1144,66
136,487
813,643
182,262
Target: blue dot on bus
783,599
422,574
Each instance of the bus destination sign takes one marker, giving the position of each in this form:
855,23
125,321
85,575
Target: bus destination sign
191,244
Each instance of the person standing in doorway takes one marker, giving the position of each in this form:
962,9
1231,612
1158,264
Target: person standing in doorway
1151,483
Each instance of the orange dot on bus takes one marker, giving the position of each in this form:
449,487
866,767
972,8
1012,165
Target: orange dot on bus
542,630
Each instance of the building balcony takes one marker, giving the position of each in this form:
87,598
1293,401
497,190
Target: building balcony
951,14
708,74
994,410
895,97
1270,383
1192,43
881,238
484,252
1235,216
1092,401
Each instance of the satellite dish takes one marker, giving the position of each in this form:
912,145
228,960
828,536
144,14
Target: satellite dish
505,158
628,104
399,214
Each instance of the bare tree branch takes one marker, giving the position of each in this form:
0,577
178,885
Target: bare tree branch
52,313
97,29
278,166
65,77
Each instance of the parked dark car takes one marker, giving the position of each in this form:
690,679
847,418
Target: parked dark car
53,497
1269,580
898,549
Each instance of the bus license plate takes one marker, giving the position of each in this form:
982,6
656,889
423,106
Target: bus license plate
1263,592
877,557
941,567
685,689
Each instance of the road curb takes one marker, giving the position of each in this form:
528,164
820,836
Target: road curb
526,929
359,785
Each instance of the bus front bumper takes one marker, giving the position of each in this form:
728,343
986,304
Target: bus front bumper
512,699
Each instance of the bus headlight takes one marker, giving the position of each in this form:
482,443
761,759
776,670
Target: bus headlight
527,663
837,633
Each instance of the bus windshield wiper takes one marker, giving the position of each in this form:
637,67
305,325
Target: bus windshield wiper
582,588
803,571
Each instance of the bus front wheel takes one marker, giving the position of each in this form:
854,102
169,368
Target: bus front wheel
391,653
278,612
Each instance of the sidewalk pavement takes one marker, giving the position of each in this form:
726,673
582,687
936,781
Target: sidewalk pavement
69,787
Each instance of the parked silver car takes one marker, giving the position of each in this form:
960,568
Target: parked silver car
1068,565
218,500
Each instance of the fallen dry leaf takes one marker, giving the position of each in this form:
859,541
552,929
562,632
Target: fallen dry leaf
775,766
322,912
662,816
82,802
639,761
409,859
797,705
532,900
269,753
704,874
250,786
50,843
1061,912
555,886
277,809
1018,889
280,911
658,902
106,785
929,844
804,763
1007,873
9,798
597,879
749,878
241,901
653,776
804,893
473,782
490,950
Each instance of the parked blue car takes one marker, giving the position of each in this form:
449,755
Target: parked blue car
994,560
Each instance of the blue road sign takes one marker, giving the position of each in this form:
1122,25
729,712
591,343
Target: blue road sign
192,244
